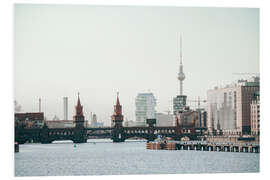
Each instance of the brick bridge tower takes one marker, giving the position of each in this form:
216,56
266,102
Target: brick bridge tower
79,130
79,117
117,122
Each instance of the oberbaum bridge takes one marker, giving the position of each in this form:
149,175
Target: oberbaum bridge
117,132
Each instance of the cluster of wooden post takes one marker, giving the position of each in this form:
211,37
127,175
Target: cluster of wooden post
203,147
160,145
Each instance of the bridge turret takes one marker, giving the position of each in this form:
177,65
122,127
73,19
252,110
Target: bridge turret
80,135
117,117
79,117
117,122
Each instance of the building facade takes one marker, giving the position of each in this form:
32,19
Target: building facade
145,108
30,120
255,115
189,118
63,123
164,119
60,123
179,103
130,123
203,119
229,107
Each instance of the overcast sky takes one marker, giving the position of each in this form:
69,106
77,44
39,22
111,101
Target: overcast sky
61,50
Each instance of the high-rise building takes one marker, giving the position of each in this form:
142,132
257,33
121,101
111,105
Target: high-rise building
145,108
229,107
94,118
65,108
255,114
179,102
94,122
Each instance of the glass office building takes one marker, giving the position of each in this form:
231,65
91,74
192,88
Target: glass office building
145,108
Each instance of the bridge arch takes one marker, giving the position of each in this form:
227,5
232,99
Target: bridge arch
64,141
135,138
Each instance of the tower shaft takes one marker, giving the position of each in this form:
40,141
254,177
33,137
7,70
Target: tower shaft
181,88
181,75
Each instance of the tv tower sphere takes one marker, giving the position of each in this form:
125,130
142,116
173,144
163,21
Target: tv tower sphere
181,76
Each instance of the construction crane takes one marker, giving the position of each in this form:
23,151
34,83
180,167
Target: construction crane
168,110
199,101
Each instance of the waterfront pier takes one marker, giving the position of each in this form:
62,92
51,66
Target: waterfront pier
205,146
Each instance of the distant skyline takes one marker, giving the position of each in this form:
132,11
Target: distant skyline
61,50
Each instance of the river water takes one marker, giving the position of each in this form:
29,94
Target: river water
102,157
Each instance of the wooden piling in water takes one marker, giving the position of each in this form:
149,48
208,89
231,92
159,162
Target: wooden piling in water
248,148
16,147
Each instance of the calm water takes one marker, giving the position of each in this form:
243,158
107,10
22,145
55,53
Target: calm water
106,158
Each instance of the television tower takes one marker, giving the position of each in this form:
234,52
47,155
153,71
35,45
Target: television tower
181,75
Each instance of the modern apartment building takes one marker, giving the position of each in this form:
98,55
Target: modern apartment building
255,115
230,106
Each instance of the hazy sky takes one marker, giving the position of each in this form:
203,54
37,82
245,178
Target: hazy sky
98,50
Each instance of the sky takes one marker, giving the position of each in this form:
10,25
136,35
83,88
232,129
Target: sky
60,50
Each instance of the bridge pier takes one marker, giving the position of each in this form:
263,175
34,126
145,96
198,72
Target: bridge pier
118,134
118,139
80,135
44,135
45,141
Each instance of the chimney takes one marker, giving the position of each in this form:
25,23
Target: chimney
39,105
65,108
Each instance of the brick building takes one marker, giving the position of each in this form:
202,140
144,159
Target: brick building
30,120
